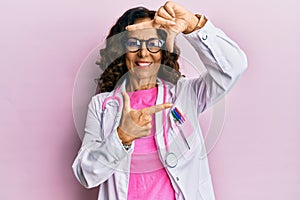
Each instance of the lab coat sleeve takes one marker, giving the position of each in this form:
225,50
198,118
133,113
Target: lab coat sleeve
224,60
99,156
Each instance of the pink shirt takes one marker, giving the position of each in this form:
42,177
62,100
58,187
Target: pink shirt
148,177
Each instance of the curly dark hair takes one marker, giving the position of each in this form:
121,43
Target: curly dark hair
112,60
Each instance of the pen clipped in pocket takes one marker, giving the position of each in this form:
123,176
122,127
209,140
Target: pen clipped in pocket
182,125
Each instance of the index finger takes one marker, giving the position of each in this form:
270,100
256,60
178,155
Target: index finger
157,108
142,25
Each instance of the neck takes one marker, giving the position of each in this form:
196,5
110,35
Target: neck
140,84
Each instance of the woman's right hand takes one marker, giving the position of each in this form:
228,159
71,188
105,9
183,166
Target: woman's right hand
174,19
135,124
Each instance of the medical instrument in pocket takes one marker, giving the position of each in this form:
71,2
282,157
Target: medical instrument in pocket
179,120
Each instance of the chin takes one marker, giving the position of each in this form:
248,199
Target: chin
145,72
142,74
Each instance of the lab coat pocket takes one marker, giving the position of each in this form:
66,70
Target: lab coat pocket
183,136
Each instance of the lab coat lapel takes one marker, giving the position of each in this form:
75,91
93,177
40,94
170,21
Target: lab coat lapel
160,122
111,115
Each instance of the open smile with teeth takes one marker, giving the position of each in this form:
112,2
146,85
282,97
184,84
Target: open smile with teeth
143,64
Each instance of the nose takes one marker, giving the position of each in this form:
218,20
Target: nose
143,51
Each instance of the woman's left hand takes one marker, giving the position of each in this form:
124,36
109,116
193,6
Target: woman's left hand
171,17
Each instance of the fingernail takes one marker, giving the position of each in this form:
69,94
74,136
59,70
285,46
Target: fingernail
169,105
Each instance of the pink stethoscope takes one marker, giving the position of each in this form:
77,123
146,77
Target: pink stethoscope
170,158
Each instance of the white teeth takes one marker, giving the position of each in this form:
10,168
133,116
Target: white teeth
143,64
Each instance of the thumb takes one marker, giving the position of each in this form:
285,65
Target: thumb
126,101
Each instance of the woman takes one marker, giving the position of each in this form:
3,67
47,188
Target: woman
142,136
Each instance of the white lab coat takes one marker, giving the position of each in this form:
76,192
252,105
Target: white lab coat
102,159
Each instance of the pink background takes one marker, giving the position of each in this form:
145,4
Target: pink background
43,44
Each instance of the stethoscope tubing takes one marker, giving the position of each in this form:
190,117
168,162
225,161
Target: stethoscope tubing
170,159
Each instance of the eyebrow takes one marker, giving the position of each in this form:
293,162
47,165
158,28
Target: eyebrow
143,40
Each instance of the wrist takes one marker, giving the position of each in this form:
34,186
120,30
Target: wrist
201,21
197,22
192,21
126,140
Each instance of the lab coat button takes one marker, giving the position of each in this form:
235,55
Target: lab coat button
177,179
204,37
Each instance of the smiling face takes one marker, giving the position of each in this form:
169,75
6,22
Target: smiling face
143,65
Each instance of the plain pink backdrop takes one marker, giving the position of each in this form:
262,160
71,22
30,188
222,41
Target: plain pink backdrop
43,44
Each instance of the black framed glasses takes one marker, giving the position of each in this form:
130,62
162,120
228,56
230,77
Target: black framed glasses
153,45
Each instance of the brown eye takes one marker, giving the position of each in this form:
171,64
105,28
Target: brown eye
132,44
154,45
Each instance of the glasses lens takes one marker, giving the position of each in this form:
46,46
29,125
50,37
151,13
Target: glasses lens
155,45
132,44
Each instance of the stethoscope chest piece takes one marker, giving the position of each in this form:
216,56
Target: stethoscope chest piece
171,160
